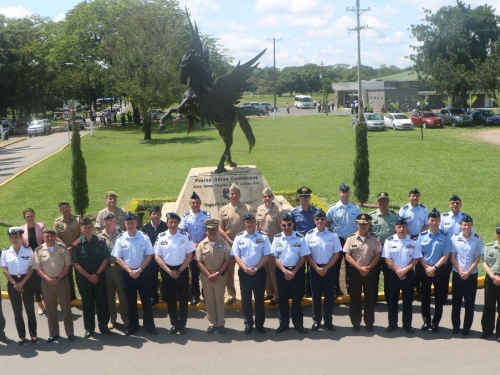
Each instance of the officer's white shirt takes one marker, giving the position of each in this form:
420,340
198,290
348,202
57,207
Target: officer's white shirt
17,264
322,245
251,248
193,224
132,249
416,217
450,222
466,250
174,248
402,252
289,249
343,218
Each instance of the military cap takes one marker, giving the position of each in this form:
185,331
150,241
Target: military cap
286,217
15,230
86,221
414,191
401,221
49,231
344,187
194,196
497,229
234,187
110,215
466,218
211,223
455,197
304,192
173,215
382,195
155,208
320,213
248,216
434,213
363,219
111,193
129,216
267,191
63,203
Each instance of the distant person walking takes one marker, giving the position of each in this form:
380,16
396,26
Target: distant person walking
287,108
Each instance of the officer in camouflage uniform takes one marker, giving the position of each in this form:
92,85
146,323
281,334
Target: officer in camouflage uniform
491,264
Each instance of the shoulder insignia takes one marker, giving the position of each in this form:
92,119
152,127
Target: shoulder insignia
59,218
206,213
390,238
299,234
186,214
312,230
78,216
372,213
490,243
353,234
39,247
280,235
162,234
477,235
61,244
331,230
444,232
183,231
414,238
77,242
101,239
121,234
446,214
425,232
421,205
239,234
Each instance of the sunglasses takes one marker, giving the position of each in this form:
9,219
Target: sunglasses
267,196
319,219
286,225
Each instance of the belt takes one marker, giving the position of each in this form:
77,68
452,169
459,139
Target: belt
321,265
18,276
174,267
111,264
289,268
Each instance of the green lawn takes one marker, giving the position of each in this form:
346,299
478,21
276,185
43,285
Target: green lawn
316,151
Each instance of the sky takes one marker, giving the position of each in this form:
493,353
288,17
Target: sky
309,31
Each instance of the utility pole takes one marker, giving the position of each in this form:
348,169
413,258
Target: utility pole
274,71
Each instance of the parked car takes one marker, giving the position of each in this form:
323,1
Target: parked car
373,122
483,116
398,121
7,126
454,116
270,107
430,119
252,110
38,127
79,120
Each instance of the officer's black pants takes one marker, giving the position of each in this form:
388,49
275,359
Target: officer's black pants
441,283
491,301
466,290
17,300
176,290
395,285
290,288
195,278
323,285
94,299
368,285
257,285
141,285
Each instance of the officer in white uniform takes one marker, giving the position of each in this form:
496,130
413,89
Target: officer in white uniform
450,221
415,214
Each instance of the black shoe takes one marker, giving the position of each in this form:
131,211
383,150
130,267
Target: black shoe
274,301
390,329
425,327
307,295
465,332
22,342
221,330
71,338
484,336
210,330
88,334
369,328
409,330
34,340
330,327
261,329
455,331
315,326
153,331
173,330
153,301
52,339
281,329
107,332
355,328
4,339
230,301
182,330
195,300
498,339
131,331
247,330
435,329
300,329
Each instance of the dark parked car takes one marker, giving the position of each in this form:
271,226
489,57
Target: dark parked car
251,110
484,116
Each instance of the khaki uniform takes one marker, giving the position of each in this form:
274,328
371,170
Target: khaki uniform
269,223
68,230
120,216
52,264
232,223
212,258
114,281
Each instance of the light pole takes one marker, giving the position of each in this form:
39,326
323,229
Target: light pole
88,95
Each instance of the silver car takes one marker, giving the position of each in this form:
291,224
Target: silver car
39,127
398,121
373,122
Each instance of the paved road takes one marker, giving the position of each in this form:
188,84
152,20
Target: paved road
321,352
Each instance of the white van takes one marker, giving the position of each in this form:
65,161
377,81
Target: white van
303,101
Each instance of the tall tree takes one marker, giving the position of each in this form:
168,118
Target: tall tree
361,180
79,188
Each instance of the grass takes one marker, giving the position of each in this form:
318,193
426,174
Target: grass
316,151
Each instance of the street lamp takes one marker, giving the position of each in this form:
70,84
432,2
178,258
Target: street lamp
88,94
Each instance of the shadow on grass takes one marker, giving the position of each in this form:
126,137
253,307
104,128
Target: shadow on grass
184,140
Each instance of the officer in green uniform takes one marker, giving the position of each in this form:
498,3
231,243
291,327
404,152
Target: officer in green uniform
491,264
90,257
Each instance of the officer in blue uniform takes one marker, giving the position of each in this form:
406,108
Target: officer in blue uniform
324,247
435,245
401,253
467,248
290,251
192,223
450,221
251,250
415,214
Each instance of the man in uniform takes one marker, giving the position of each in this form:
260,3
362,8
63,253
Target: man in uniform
133,252
192,222
113,273
251,250
324,246
67,229
450,221
268,219
231,223
491,264
341,218
362,252
111,201
436,247
289,252
401,253
153,229
212,256
90,257
52,261
415,214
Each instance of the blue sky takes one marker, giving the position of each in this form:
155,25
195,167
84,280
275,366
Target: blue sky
311,31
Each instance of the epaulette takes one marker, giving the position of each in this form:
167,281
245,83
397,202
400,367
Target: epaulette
477,235
299,234
445,232
446,214
312,230
101,239
62,245
421,205
372,213
60,218
414,238
407,205
206,213
77,242
293,209
183,231
186,214
7,248
119,235
490,243
39,247
352,234
425,232
331,230
239,234
281,234
390,238
161,234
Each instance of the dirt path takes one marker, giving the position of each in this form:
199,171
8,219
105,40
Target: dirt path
490,136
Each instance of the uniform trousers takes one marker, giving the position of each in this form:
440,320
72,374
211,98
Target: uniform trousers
290,289
323,285
141,285
231,289
176,290
337,267
271,284
2,319
36,282
17,300
51,294
466,290
114,286
214,299
94,294
368,285
154,269
394,286
441,282
491,301
195,278
257,284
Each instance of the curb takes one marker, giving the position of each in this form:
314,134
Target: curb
15,141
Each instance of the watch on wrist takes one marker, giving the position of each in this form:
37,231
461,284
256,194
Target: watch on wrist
255,268
217,273
405,270
292,271
97,274
58,279
139,269
178,271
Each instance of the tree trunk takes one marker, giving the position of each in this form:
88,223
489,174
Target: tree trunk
147,129
136,115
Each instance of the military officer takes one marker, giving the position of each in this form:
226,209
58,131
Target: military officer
111,206
341,218
231,223
52,261
436,247
153,229
192,223
251,250
401,253
268,219
114,284
450,221
173,253
289,251
90,257
491,264
467,249
362,251
67,229
415,214
212,256
133,252
324,246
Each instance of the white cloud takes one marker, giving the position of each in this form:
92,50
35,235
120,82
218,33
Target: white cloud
15,11
226,26
200,8
288,7
59,17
